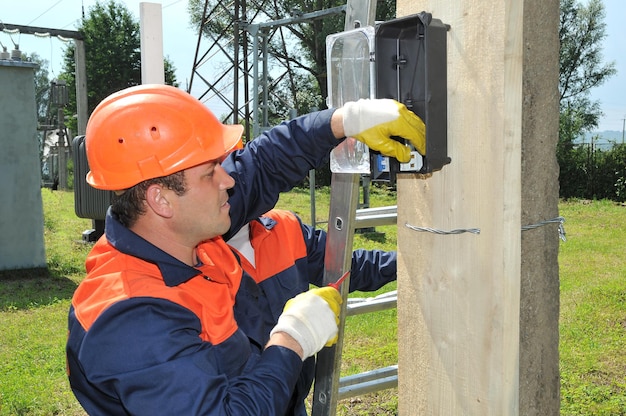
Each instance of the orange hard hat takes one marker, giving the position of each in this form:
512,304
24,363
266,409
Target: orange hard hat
149,131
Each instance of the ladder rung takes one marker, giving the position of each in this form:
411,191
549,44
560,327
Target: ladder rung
391,209
372,217
357,306
368,382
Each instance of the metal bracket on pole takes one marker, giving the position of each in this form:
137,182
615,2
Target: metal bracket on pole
265,30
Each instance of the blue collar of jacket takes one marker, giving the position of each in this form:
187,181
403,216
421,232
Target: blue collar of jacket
174,271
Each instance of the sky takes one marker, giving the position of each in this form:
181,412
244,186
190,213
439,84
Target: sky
612,94
180,40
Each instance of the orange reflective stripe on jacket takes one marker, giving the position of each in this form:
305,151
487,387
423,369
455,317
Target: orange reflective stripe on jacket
114,276
278,249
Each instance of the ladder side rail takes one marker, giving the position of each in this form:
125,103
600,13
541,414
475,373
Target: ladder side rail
338,258
339,242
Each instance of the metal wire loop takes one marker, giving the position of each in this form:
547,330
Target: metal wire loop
559,220
435,231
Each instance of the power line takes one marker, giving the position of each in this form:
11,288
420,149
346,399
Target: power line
49,8
69,24
171,4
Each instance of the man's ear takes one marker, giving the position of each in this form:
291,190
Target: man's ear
158,201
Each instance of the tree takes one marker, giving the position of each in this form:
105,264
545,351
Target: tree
112,53
42,85
42,100
311,36
581,32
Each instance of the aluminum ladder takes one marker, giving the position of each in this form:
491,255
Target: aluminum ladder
344,218
329,386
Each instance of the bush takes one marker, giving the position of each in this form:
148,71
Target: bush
590,173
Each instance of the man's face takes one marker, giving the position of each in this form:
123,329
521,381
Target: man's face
203,211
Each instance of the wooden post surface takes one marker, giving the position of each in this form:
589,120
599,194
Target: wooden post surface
459,295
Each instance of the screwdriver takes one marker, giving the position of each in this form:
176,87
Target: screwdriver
339,281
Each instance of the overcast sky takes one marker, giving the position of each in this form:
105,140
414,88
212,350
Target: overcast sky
179,44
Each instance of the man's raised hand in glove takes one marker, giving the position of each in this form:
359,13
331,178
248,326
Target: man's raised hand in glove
311,319
373,122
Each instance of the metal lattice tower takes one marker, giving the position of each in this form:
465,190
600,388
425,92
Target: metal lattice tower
233,61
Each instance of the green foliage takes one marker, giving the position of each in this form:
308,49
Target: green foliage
42,93
581,32
588,172
42,85
112,55
620,187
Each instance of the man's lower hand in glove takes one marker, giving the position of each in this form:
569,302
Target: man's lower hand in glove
310,319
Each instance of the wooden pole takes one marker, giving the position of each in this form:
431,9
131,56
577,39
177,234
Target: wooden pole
460,294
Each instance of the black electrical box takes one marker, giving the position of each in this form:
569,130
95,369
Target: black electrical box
89,202
410,67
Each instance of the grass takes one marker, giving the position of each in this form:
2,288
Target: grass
34,304
33,317
593,309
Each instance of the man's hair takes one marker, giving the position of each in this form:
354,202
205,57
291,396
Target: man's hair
129,205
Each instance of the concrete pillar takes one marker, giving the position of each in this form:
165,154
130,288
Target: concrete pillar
21,211
539,308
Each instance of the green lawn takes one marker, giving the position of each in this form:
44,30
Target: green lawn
593,309
34,304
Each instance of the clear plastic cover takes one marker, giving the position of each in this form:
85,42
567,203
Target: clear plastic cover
349,57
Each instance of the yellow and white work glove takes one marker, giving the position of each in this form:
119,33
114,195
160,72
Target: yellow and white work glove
311,318
373,122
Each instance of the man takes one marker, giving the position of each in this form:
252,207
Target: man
281,257
155,327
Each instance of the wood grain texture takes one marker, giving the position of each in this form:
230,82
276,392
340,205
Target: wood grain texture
459,295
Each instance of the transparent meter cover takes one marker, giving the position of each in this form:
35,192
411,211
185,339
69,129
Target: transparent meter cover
350,70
